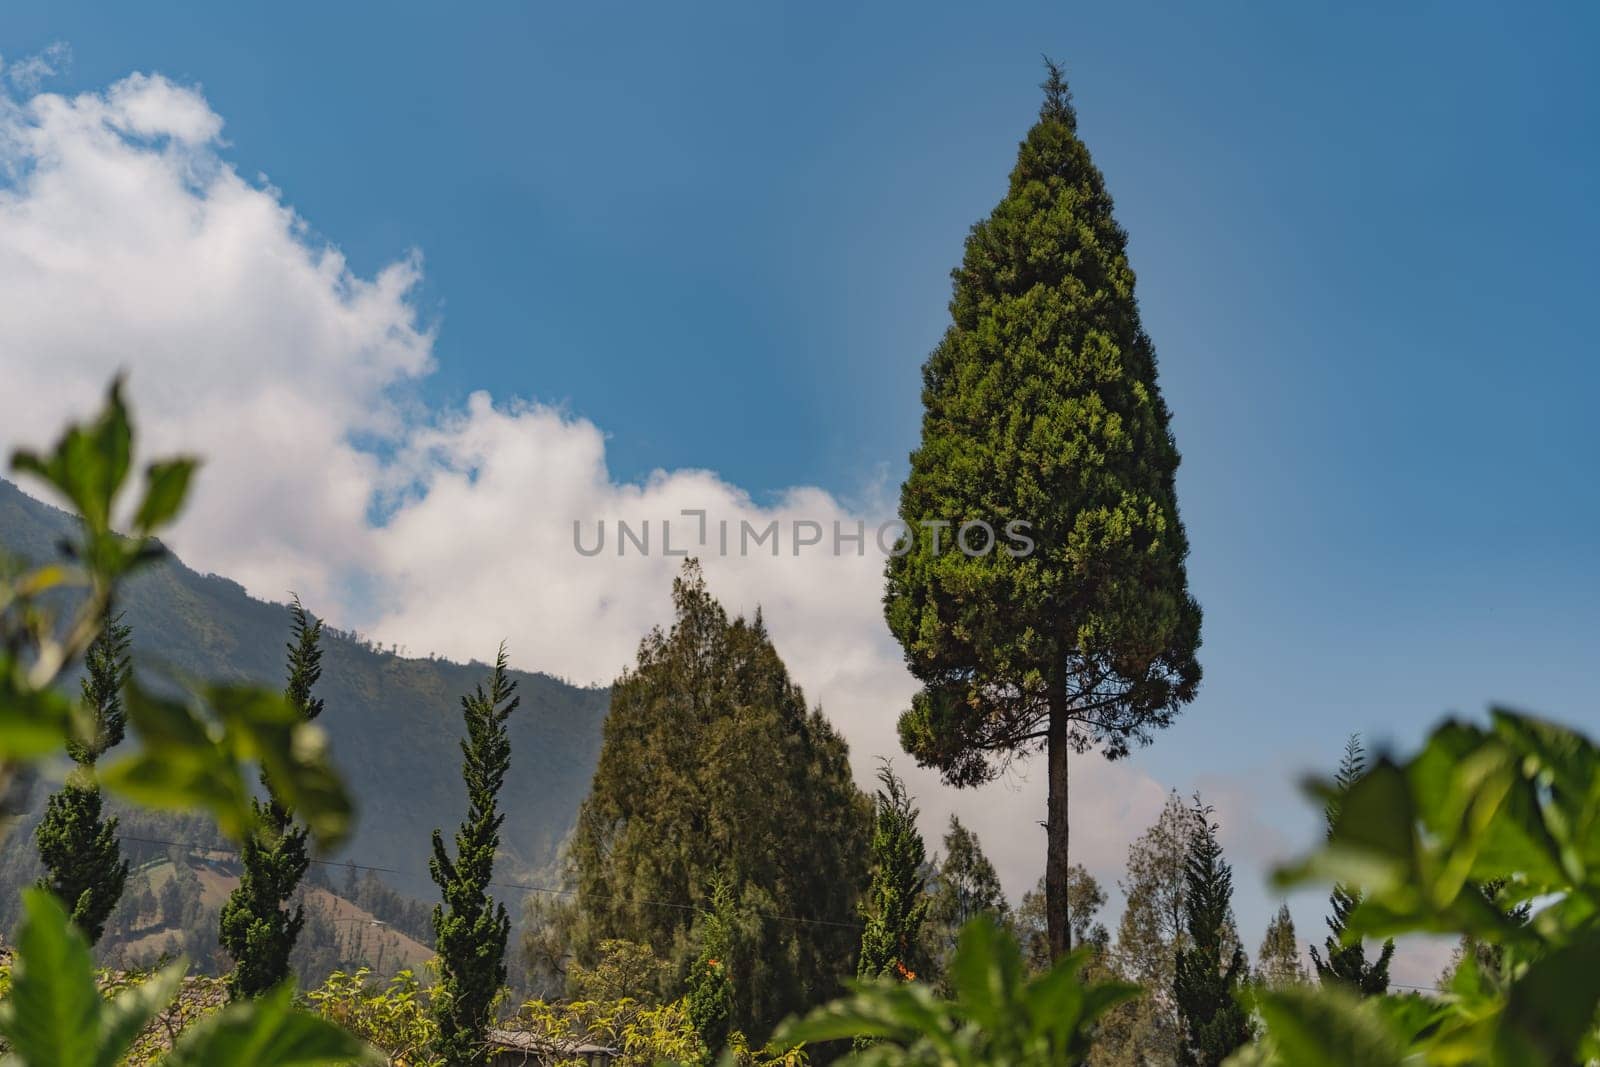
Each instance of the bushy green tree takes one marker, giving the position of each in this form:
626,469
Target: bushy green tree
1208,973
964,886
1278,962
896,903
78,845
1086,898
712,765
1346,961
470,928
256,927
1041,406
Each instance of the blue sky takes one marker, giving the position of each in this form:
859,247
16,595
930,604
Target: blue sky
1365,241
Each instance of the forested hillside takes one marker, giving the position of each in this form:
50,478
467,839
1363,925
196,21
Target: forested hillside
393,721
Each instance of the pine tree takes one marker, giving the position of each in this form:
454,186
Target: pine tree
470,928
1346,964
1041,406
1278,963
1207,974
895,904
83,861
256,926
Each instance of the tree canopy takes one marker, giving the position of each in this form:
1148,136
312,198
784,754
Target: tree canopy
1041,407
713,767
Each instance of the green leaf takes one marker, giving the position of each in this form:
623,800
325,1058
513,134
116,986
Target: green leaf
52,1017
166,486
191,759
89,462
1553,1006
269,1032
32,724
1326,1027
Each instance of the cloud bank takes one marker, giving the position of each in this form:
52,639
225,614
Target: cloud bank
127,241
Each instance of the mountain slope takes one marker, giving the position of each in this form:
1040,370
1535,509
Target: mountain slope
393,721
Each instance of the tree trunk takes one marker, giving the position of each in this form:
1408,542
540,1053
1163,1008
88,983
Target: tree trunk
1056,865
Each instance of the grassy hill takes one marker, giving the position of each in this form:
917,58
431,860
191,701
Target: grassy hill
393,721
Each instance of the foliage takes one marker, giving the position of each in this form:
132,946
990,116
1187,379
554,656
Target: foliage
644,1034
710,998
996,1015
1041,406
1346,959
1206,975
895,904
1278,961
396,1017
83,862
626,969
1085,898
1514,803
189,755
712,765
964,886
256,927
470,927
54,1015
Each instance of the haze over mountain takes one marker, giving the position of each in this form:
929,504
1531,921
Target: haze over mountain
393,721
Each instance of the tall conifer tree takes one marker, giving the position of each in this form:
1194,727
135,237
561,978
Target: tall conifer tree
1041,406
1210,970
256,926
470,927
83,862
713,765
1347,964
896,903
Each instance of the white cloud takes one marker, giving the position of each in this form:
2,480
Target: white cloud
127,241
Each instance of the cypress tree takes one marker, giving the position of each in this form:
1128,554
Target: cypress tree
1346,964
895,904
1041,407
1207,974
83,862
256,927
470,928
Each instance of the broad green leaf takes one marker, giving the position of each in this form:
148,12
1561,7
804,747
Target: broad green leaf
269,1032
32,724
203,754
1325,1027
166,486
52,1017
1553,1006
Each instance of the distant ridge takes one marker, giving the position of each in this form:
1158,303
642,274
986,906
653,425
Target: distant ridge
393,721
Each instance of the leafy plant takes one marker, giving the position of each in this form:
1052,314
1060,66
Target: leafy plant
396,1017
1515,803
191,753
55,1016
995,1017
